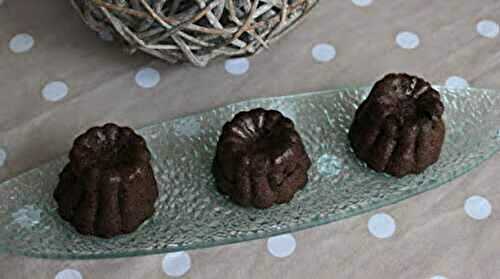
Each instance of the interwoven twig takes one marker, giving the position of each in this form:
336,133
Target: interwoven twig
194,30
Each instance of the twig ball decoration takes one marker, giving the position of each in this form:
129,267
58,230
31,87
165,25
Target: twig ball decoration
194,30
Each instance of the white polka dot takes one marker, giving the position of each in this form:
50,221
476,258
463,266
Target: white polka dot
3,156
362,3
438,277
282,245
329,165
477,207
21,43
176,264
324,52
55,91
237,66
27,216
487,28
106,36
382,225
69,274
456,82
147,78
407,40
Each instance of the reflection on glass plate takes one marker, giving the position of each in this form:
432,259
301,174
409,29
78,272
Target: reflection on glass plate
192,214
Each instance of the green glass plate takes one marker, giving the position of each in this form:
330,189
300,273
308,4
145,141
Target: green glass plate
192,214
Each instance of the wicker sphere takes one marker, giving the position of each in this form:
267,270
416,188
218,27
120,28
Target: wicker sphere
194,30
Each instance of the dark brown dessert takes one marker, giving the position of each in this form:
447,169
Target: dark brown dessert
398,129
108,187
260,159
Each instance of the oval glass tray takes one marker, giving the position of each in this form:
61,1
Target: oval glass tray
192,214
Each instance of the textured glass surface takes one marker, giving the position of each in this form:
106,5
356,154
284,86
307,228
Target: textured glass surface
192,214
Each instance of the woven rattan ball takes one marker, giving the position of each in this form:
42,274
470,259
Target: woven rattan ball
194,30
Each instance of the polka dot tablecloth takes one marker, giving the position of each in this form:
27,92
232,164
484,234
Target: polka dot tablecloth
57,78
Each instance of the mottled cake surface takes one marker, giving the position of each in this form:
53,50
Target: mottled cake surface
260,159
108,186
399,128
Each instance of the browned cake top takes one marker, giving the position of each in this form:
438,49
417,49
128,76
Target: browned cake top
259,133
106,147
406,97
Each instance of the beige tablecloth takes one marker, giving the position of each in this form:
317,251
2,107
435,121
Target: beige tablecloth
434,235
